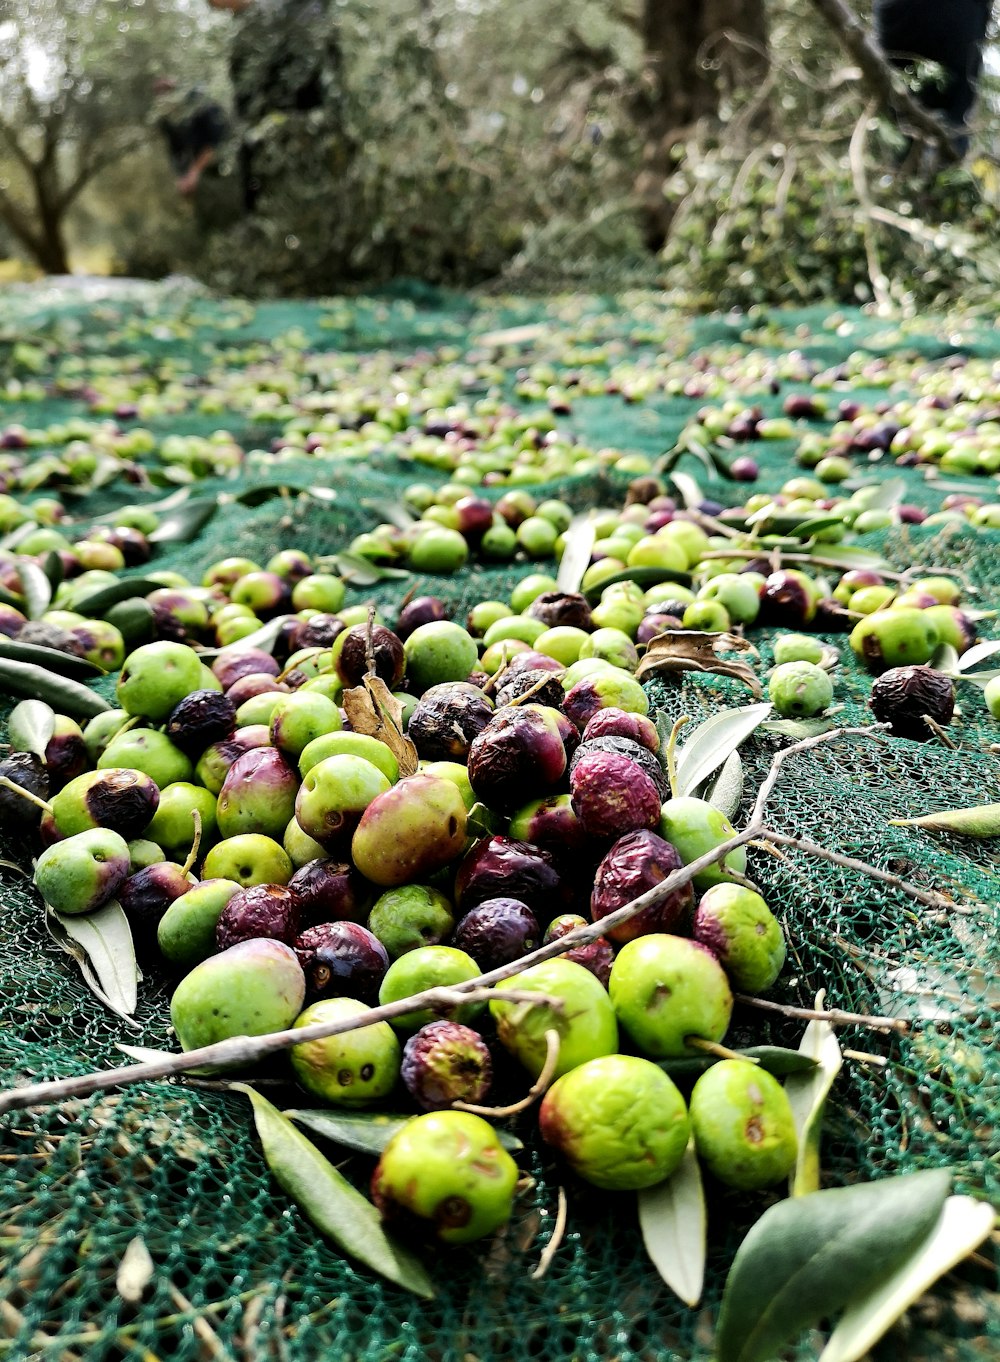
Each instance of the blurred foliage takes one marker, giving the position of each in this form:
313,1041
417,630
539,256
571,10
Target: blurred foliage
460,141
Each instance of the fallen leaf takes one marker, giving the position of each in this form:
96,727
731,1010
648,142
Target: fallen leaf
673,1221
683,650
372,709
135,1271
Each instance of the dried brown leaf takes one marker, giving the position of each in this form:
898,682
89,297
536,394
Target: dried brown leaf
683,650
373,710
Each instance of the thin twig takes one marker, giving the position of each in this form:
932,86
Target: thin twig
833,1015
554,1244
770,780
535,1091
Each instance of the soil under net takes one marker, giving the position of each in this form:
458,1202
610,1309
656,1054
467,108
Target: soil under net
239,1271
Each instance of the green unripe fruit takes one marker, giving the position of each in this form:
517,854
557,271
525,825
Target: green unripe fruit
537,536
173,824
454,771
737,926
530,587
522,627
343,744
797,648
251,989
429,967
259,708
499,543
248,858
743,1126
410,917
411,831
353,1069
186,932
439,550
665,989
299,847
871,598
585,1024
82,872
143,853
799,690
653,550
448,1168
334,794
737,593
319,591
613,646
619,1122
485,613
438,652
100,730
156,678
710,616
895,638
299,718
693,827
991,695
564,643
149,751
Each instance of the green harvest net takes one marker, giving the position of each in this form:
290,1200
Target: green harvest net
239,1272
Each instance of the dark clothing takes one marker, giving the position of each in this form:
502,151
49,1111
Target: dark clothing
285,58
948,32
191,123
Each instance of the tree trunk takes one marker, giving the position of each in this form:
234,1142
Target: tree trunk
679,91
50,247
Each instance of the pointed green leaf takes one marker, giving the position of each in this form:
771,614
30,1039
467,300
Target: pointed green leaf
945,659
712,742
847,556
642,576
807,1094
673,1221
30,726
98,602
575,558
798,728
181,525
725,790
392,512
360,571
806,1258
101,943
53,569
263,638
336,1208
883,496
979,653
961,1227
64,664
774,1058
36,587
691,493
368,1132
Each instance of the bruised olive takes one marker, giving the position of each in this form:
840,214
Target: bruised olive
560,608
447,719
902,696
544,687
626,747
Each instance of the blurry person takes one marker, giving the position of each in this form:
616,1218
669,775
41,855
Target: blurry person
284,59
950,33
194,128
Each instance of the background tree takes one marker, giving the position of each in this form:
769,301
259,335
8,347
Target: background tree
75,99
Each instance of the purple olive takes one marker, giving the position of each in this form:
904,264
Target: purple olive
268,910
342,960
497,931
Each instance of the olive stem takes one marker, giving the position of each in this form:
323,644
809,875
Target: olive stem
554,1244
710,1047
671,750
537,1088
833,1015
195,845
939,732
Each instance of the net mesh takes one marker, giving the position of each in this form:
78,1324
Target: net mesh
239,1272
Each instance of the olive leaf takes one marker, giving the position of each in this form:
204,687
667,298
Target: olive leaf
807,1094
35,587
935,994
798,728
391,512
578,546
961,1227
945,659
65,664
774,1058
981,821
712,743
847,556
181,525
38,683
52,566
336,1208
674,1222
167,503
979,653
883,496
372,709
691,494
263,639
725,790
641,576
806,1258
368,1132
97,602
30,727
688,650
359,571
482,822
101,944
8,598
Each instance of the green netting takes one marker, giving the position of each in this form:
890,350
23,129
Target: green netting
177,1162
